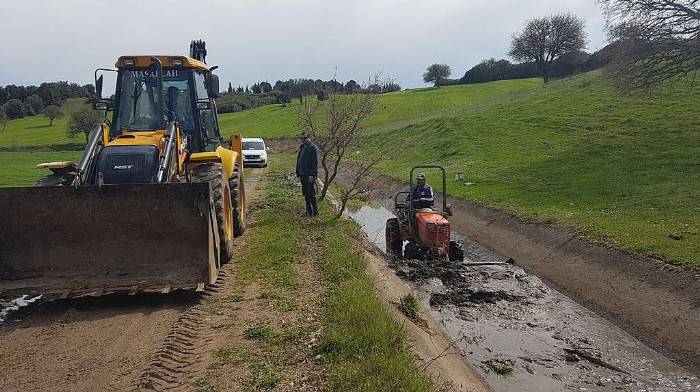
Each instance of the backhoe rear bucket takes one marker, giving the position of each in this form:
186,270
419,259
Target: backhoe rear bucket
69,241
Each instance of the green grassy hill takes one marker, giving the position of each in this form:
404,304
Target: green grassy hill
393,109
35,131
623,169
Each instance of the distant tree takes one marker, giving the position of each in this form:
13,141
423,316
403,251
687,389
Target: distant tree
660,40
83,121
437,74
239,89
265,87
52,112
4,96
282,97
230,88
247,90
545,39
14,108
3,118
321,95
351,87
256,88
34,104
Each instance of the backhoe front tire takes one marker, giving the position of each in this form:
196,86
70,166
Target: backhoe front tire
214,174
237,200
56,179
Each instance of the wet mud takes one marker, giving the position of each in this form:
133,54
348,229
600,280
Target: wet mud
521,334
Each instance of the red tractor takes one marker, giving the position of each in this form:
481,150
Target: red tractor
426,231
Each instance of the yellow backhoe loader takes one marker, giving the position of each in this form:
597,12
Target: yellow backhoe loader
154,203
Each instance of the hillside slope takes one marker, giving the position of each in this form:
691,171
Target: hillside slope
622,169
35,131
393,110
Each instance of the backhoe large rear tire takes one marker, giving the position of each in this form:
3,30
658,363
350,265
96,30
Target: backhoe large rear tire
237,200
214,174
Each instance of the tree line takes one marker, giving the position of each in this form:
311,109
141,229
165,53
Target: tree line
264,93
21,101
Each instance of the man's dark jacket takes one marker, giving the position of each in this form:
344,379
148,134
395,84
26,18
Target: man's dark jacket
307,160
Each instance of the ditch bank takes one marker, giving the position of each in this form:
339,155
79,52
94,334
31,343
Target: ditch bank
657,302
521,334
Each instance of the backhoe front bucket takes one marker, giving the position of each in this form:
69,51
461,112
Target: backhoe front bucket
73,241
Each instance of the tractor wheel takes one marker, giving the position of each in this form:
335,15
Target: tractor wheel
237,200
412,252
455,252
213,173
56,179
394,244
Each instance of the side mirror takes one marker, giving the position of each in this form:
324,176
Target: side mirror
448,210
267,148
98,86
213,86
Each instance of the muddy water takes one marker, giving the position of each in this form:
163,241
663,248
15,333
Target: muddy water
523,335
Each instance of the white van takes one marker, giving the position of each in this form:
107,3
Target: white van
254,152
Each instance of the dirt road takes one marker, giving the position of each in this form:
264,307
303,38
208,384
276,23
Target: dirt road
112,343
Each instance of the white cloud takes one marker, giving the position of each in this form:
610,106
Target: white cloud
47,40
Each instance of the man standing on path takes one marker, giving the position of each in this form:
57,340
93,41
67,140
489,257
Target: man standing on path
307,170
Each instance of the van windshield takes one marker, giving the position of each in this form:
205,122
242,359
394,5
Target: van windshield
253,145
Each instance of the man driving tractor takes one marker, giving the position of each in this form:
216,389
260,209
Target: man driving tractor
422,194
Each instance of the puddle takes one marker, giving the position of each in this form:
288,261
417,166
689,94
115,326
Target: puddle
7,307
522,335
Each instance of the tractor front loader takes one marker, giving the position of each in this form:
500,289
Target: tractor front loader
154,203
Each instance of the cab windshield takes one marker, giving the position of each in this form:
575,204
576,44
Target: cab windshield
143,108
253,146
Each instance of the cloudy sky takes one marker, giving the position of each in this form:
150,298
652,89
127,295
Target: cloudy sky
47,40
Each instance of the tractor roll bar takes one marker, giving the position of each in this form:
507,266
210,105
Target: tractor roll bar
444,186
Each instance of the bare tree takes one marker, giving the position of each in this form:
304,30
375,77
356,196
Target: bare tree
545,39
52,112
437,74
357,174
336,126
660,40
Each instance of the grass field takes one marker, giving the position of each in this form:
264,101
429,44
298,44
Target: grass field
18,167
622,169
393,110
35,131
